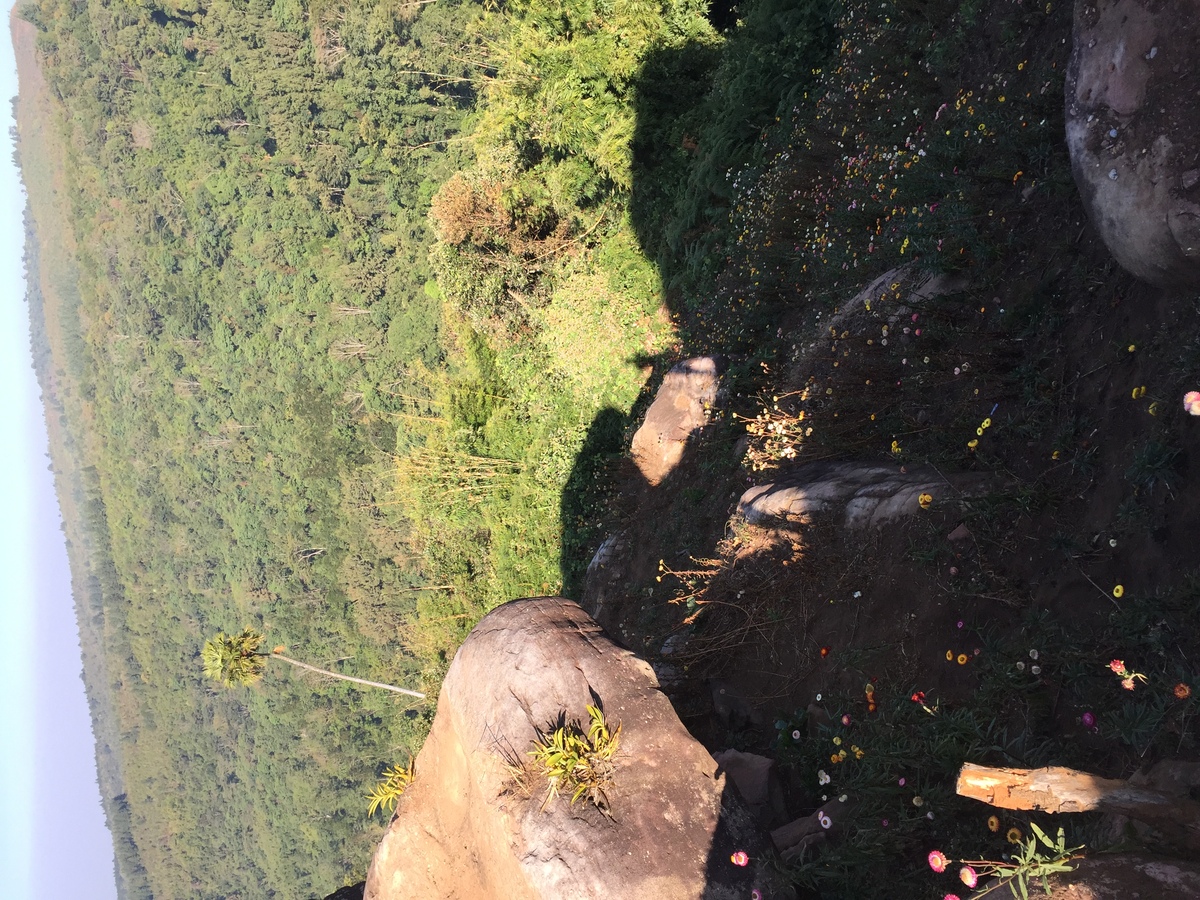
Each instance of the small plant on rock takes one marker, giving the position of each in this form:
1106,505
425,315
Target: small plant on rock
387,793
579,763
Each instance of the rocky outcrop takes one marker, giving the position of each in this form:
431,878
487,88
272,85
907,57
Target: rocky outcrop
472,826
680,408
862,494
1133,134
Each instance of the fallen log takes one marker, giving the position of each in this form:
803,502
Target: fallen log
1057,789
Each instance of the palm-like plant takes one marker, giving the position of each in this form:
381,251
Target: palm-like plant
235,660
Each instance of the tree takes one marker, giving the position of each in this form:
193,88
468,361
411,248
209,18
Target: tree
235,660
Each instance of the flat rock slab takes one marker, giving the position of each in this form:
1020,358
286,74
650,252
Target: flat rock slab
1133,133
468,828
864,495
680,408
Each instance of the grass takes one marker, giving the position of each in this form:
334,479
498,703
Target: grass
578,763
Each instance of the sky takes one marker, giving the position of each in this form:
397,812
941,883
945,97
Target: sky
54,843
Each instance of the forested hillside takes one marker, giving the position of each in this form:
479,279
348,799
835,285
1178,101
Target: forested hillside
366,294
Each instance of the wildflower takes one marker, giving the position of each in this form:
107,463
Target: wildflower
918,697
823,777
901,782
1191,402
837,741
824,653
884,823
869,689
858,753
1088,720
993,824
1117,666
1033,654
1182,691
1036,670
1127,683
960,621
1119,591
740,858
968,876
949,655
938,861
951,897
962,659
925,500
846,720
1020,666
824,819
918,801
1013,835
834,758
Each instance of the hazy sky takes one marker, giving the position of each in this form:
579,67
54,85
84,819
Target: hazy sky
52,831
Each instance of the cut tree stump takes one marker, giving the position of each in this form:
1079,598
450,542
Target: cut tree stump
1056,789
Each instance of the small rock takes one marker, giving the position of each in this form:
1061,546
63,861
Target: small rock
961,533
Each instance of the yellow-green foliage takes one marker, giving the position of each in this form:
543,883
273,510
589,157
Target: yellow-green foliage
578,763
387,793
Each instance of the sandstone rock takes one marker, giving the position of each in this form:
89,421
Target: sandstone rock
1124,875
467,828
864,494
604,579
1133,134
680,407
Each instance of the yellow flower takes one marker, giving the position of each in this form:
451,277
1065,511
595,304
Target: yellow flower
1132,347
1013,835
858,754
926,501
1139,392
1119,591
1054,455
973,443
949,655
837,741
993,824
962,659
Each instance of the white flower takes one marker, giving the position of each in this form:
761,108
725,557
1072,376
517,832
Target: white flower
823,777
825,821
1033,654
843,798
918,801
1036,670
818,698
1020,667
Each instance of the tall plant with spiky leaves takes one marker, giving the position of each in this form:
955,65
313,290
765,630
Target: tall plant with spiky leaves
235,660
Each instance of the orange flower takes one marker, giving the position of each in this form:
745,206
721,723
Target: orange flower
1182,691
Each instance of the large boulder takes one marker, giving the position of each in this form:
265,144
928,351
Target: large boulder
680,408
470,827
862,494
1132,86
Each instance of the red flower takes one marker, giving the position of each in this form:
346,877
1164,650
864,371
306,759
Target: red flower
1118,666
919,697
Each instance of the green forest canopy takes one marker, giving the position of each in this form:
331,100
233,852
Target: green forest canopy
357,283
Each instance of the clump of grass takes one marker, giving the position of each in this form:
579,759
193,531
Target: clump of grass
386,794
579,763
1153,464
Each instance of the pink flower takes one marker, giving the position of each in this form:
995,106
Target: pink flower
968,876
951,897
846,719
740,858
938,861
1191,402
1088,719
1118,666
1127,683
